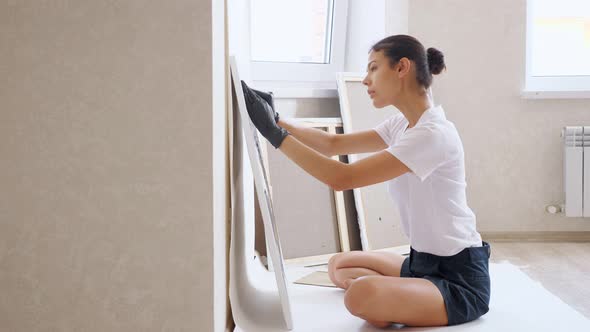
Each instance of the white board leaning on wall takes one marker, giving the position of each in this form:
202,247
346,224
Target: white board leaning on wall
378,218
258,303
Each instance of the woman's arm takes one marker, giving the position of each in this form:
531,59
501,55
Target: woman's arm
339,176
335,144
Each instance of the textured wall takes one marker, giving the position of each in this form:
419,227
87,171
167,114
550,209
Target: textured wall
513,150
106,176
308,107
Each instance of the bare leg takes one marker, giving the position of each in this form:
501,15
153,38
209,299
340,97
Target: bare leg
347,274
410,301
345,267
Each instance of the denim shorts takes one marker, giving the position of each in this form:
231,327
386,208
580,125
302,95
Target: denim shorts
463,280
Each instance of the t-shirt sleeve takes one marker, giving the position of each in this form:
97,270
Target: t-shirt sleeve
421,149
387,129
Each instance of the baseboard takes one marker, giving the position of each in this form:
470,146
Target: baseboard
536,236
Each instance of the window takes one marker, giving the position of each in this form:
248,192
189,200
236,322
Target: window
300,33
297,42
558,47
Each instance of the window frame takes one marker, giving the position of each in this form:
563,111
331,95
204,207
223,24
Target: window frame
308,75
549,87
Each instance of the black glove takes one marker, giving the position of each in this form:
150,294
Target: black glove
262,115
269,99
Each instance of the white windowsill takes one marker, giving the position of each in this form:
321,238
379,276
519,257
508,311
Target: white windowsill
531,94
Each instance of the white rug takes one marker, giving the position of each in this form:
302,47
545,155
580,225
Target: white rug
518,303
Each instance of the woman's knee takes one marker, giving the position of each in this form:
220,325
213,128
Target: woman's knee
332,270
359,295
332,263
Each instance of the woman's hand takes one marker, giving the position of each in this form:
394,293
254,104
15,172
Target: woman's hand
263,116
269,99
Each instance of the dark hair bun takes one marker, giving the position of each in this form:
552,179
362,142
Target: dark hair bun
436,60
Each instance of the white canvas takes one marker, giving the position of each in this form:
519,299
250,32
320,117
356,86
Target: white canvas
378,218
258,302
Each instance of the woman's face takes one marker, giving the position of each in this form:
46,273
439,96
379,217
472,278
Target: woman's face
383,81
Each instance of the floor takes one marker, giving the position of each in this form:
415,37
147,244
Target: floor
562,267
554,300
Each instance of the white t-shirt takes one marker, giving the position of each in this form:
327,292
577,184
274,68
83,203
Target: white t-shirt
431,199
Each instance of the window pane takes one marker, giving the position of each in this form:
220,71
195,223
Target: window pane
560,37
291,30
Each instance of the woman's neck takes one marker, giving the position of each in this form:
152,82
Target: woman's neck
415,105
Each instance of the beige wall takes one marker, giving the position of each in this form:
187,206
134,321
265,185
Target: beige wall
512,146
106,205
308,107
513,151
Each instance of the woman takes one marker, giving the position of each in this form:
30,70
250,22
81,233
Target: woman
445,279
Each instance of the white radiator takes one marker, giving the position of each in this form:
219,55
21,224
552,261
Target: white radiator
576,170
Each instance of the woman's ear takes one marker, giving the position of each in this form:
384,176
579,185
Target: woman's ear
404,65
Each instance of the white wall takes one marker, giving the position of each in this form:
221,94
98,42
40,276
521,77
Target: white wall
366,26
220,166
396,17
308,107
368,22
512,146
238,12
106,208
